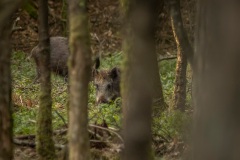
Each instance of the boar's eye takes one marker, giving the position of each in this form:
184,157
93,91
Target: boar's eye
109,86
97,86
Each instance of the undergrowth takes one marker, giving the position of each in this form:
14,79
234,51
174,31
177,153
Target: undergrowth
26,103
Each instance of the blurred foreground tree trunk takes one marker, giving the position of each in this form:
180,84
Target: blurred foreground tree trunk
45,145
138,76
7,8
80,71
184,52
216,81
158,99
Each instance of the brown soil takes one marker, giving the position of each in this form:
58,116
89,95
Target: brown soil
103,21
105,26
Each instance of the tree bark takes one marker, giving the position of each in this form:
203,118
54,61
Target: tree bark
179,31
216,80
138,76
159,104
7,8
184,52
45,145
80,72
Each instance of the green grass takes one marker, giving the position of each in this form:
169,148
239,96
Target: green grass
25,120
167,71
26,93
26,103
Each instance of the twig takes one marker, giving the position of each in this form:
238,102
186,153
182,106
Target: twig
21,100
24,143
167,134
21,137
14,26
100,43
60,131
33,144
106,129
59,146
61,117
63,90
166,58
99,141
161,136
32,136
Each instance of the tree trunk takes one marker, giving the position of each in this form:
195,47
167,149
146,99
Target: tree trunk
138,76
179,31
216,81
158,99
7,8
80,71
5,95
184,51
45,145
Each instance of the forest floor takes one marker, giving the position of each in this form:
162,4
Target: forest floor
105,31
104,23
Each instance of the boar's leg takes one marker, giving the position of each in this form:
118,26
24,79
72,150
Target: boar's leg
38,72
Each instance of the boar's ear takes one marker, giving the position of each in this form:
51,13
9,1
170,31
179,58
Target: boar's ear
95,67
115,73
97,63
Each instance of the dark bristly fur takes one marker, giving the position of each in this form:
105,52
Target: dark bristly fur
107,83
59,56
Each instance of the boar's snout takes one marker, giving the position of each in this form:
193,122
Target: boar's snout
101,99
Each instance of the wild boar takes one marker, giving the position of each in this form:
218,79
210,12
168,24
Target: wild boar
107,83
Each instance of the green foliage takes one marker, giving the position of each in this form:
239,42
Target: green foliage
167,71
25,120
26,95
168,125
172,124
111,61
111,113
